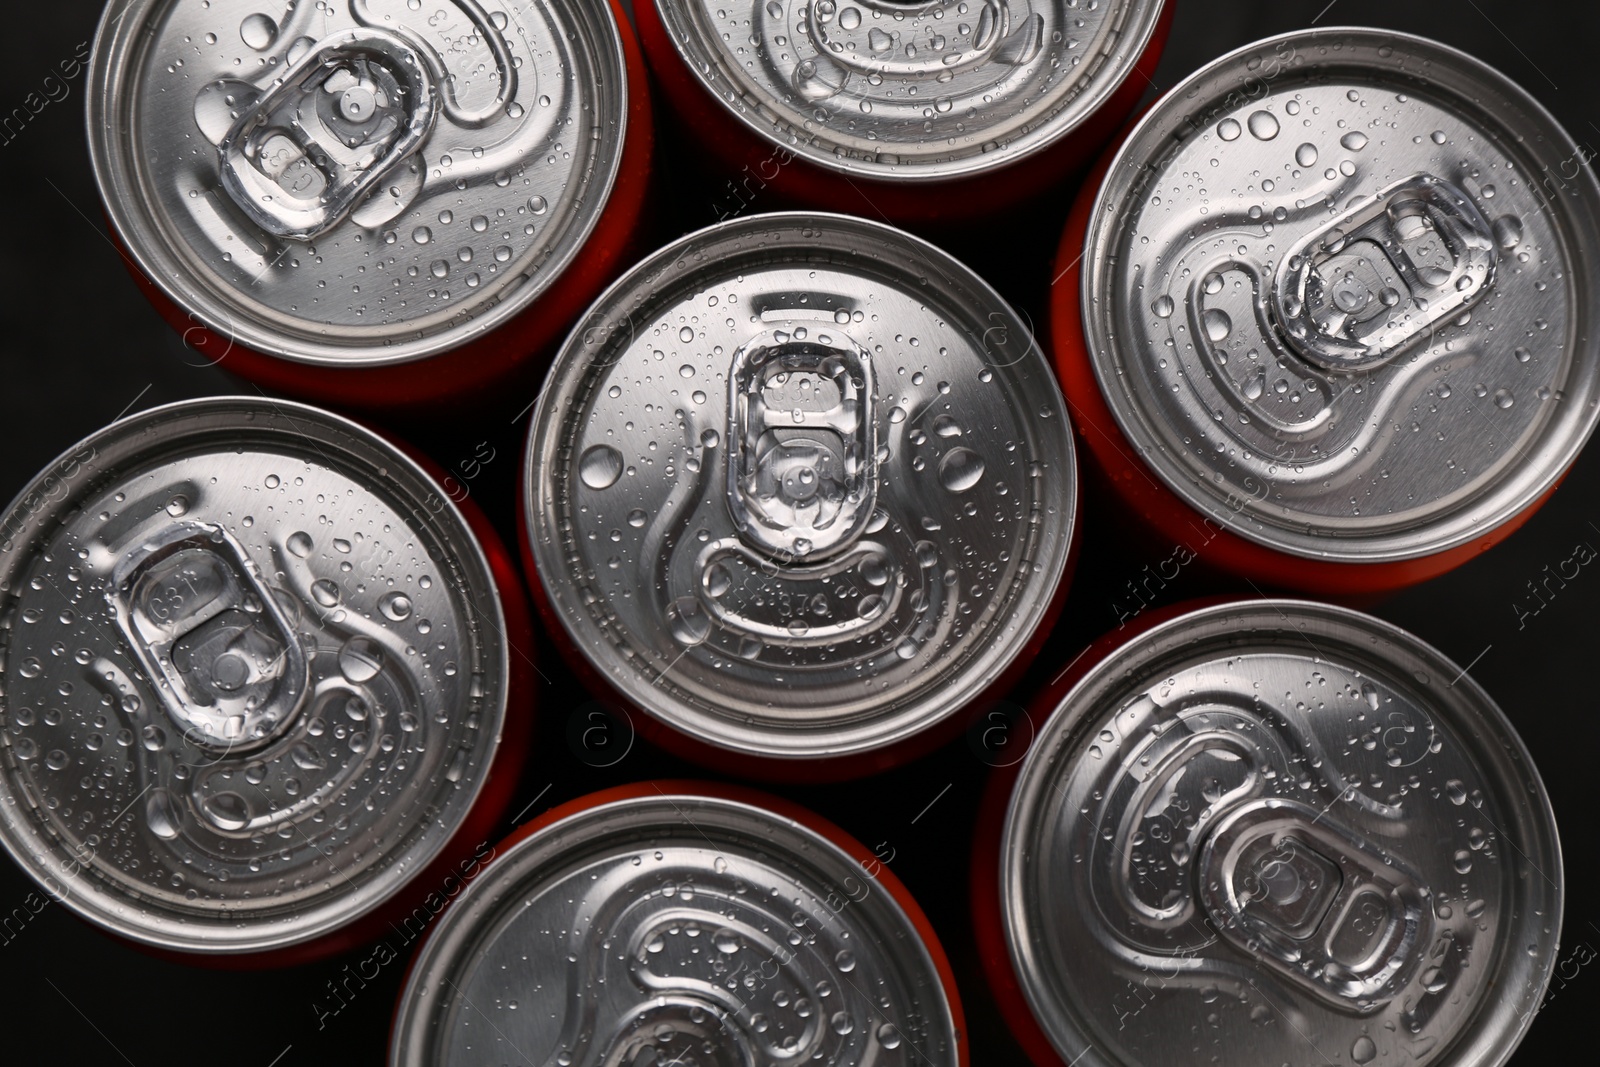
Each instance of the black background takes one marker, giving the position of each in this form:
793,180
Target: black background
79,346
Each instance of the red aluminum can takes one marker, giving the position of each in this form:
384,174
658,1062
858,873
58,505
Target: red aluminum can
265,683
371,210
942,111
800,490
1254,825
679,922
1318,355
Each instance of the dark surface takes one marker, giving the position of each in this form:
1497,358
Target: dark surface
79,345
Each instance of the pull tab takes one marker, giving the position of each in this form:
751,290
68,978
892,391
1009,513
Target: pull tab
802,476
1335,913
198,618
339,123
1383,273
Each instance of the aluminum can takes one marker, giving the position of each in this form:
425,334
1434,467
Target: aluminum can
1273,831
1327,321
256,673
946,110
800,488
680,922
370,202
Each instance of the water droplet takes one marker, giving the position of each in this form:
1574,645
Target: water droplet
1363,1050
226,811
717,580
396,607
305,757
1217,324
1263,125
1438,137
1508,231
1306,154
1503,398
686,334
360,659
841,1022
57,760
600,467
879,41
1163,306
906,649
1463,860
927,554
888,1036
945,426
1229,129
1354,141
161,815
258,31
1255,385
727,941
960,469
325,592
153,737
686,621
872,605
299,544
178,505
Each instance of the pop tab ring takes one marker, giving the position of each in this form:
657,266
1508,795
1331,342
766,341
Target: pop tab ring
1292,829
801,487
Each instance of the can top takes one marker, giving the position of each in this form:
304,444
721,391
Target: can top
911,92
1335,295
253,674
356,183
801,485
691,926
1282,826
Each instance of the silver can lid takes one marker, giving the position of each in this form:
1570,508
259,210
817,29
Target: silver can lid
1335,295
356,183
1286,828
675,928
911,92
801,485
253,674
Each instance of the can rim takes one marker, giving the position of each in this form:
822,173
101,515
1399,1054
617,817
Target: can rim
967,166
1469,522
1496,1028
709,729
140,231
222,940
434,955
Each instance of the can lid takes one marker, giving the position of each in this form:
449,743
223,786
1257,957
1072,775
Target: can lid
360,184
801,485
1286,827
253,673
674,925
1335,295
911,92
